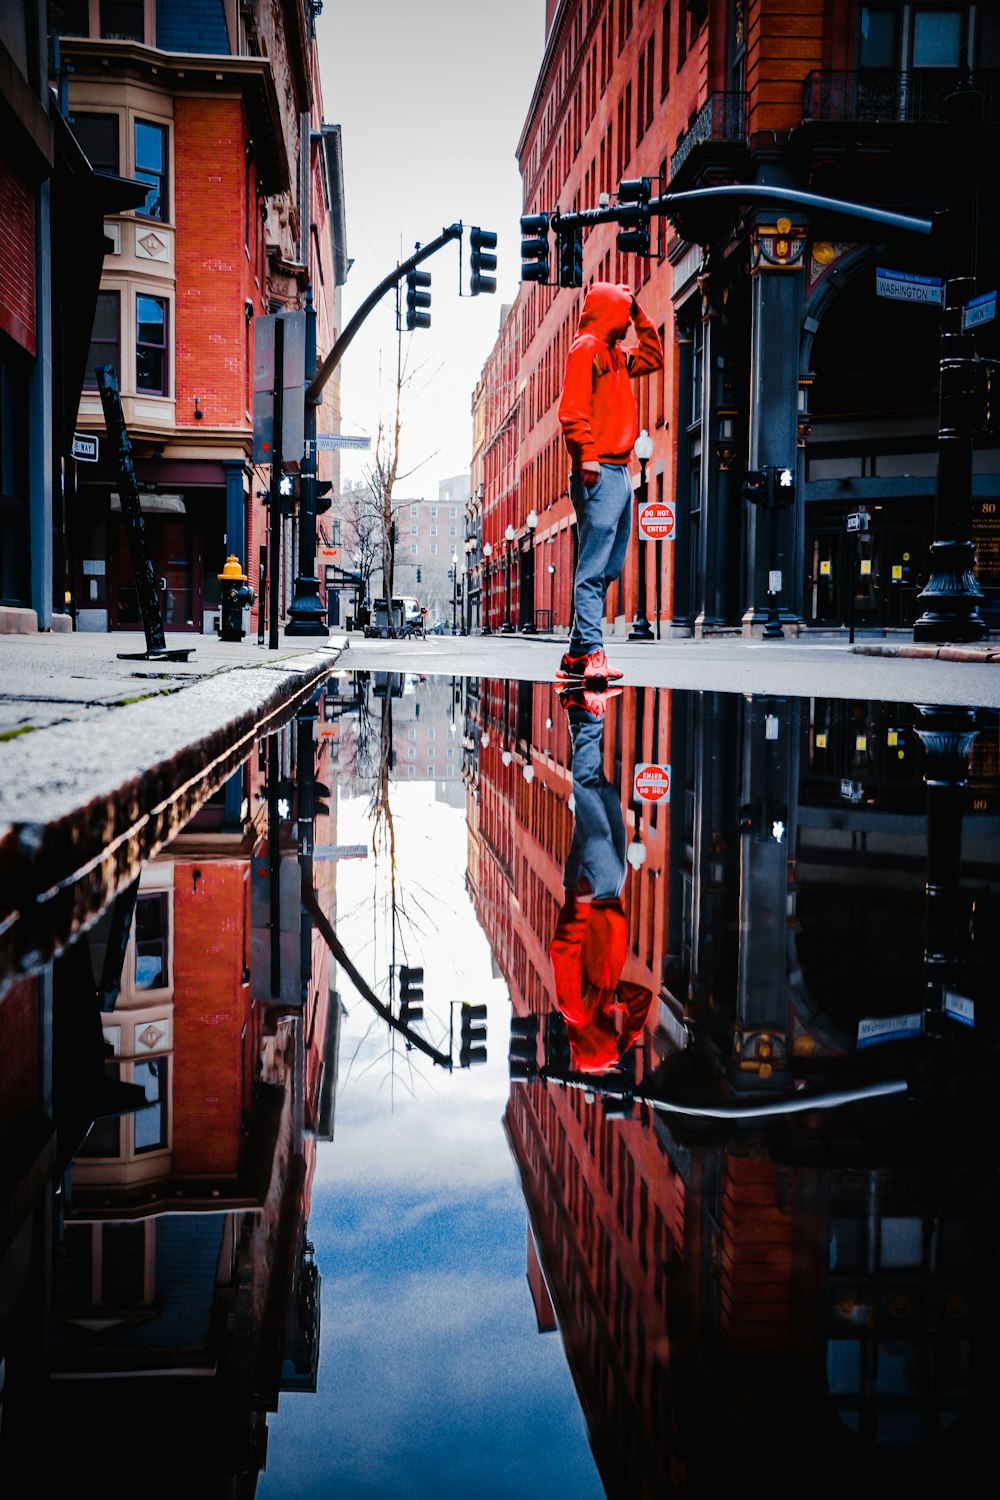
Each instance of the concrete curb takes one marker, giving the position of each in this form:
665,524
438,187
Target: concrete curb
123,787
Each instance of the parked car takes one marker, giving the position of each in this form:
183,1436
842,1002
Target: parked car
438,628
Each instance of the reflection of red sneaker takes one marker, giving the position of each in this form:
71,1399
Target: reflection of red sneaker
596,703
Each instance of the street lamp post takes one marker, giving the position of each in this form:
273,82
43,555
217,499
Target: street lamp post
641,630
507,627
454,592
487,554
531,521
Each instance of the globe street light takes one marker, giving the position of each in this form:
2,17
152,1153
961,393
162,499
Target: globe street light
487,554
531,521
507,627
640,625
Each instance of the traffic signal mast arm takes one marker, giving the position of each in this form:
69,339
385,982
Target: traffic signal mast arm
414,1039
395,276
746,192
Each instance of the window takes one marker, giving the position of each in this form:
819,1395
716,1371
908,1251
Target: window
453,511
151,167
413,549
122,20
151,344
105,340
151,1122
414,511
434,531
152,933
665,52
413,531
453,531
98,137
434,549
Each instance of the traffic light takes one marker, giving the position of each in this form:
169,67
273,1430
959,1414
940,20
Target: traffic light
557,1058
522,1056
482,242
782,485
419,574
757,486
535,247
633,215
411,993
473,1044
570,243
324,499
418,300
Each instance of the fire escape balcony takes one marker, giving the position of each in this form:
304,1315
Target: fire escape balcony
722,120
886,96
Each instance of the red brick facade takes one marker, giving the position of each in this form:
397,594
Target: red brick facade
219,265
17,258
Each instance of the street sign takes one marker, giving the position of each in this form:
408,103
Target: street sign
328,442
979,310
340,851
888,1029
651,782
656,521
293,374
905,286
84,447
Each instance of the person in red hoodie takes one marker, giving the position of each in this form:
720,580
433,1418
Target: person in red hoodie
604,1013
600,424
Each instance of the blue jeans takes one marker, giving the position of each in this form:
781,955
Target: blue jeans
603,524
596,858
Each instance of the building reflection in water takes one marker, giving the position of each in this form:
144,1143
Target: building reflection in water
750,1091
185,1071
772,1240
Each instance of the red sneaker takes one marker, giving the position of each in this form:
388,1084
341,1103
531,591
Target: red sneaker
596,668
571,668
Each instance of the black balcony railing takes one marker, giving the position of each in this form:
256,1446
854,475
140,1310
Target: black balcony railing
723,117
889,97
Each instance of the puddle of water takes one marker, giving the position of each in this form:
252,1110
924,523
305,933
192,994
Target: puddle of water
489,1091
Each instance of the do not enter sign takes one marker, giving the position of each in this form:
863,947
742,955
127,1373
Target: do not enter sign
652,782
656,521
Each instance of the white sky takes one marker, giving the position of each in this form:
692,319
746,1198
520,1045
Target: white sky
431,96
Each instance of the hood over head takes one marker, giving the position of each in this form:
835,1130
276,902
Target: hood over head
606,311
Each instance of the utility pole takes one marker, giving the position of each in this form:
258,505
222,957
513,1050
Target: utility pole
952,594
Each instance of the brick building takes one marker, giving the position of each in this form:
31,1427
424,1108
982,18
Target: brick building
219,114
784,347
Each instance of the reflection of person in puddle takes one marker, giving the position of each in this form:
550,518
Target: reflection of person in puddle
604,1013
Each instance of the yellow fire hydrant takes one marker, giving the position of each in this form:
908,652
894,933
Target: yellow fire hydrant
237,595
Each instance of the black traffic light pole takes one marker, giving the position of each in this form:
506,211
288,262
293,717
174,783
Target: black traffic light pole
336,354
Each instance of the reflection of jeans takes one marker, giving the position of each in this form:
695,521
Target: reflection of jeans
603,523
597,851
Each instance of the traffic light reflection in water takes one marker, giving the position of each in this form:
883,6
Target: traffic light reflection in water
727,966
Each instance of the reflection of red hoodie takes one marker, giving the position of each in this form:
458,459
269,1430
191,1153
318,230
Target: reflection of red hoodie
597,407
588,954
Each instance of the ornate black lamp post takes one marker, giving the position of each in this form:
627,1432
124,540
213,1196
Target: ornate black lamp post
487,554
528,624
641,630
507,627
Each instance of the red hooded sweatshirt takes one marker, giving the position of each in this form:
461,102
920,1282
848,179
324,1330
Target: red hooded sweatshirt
604,1013
597,406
